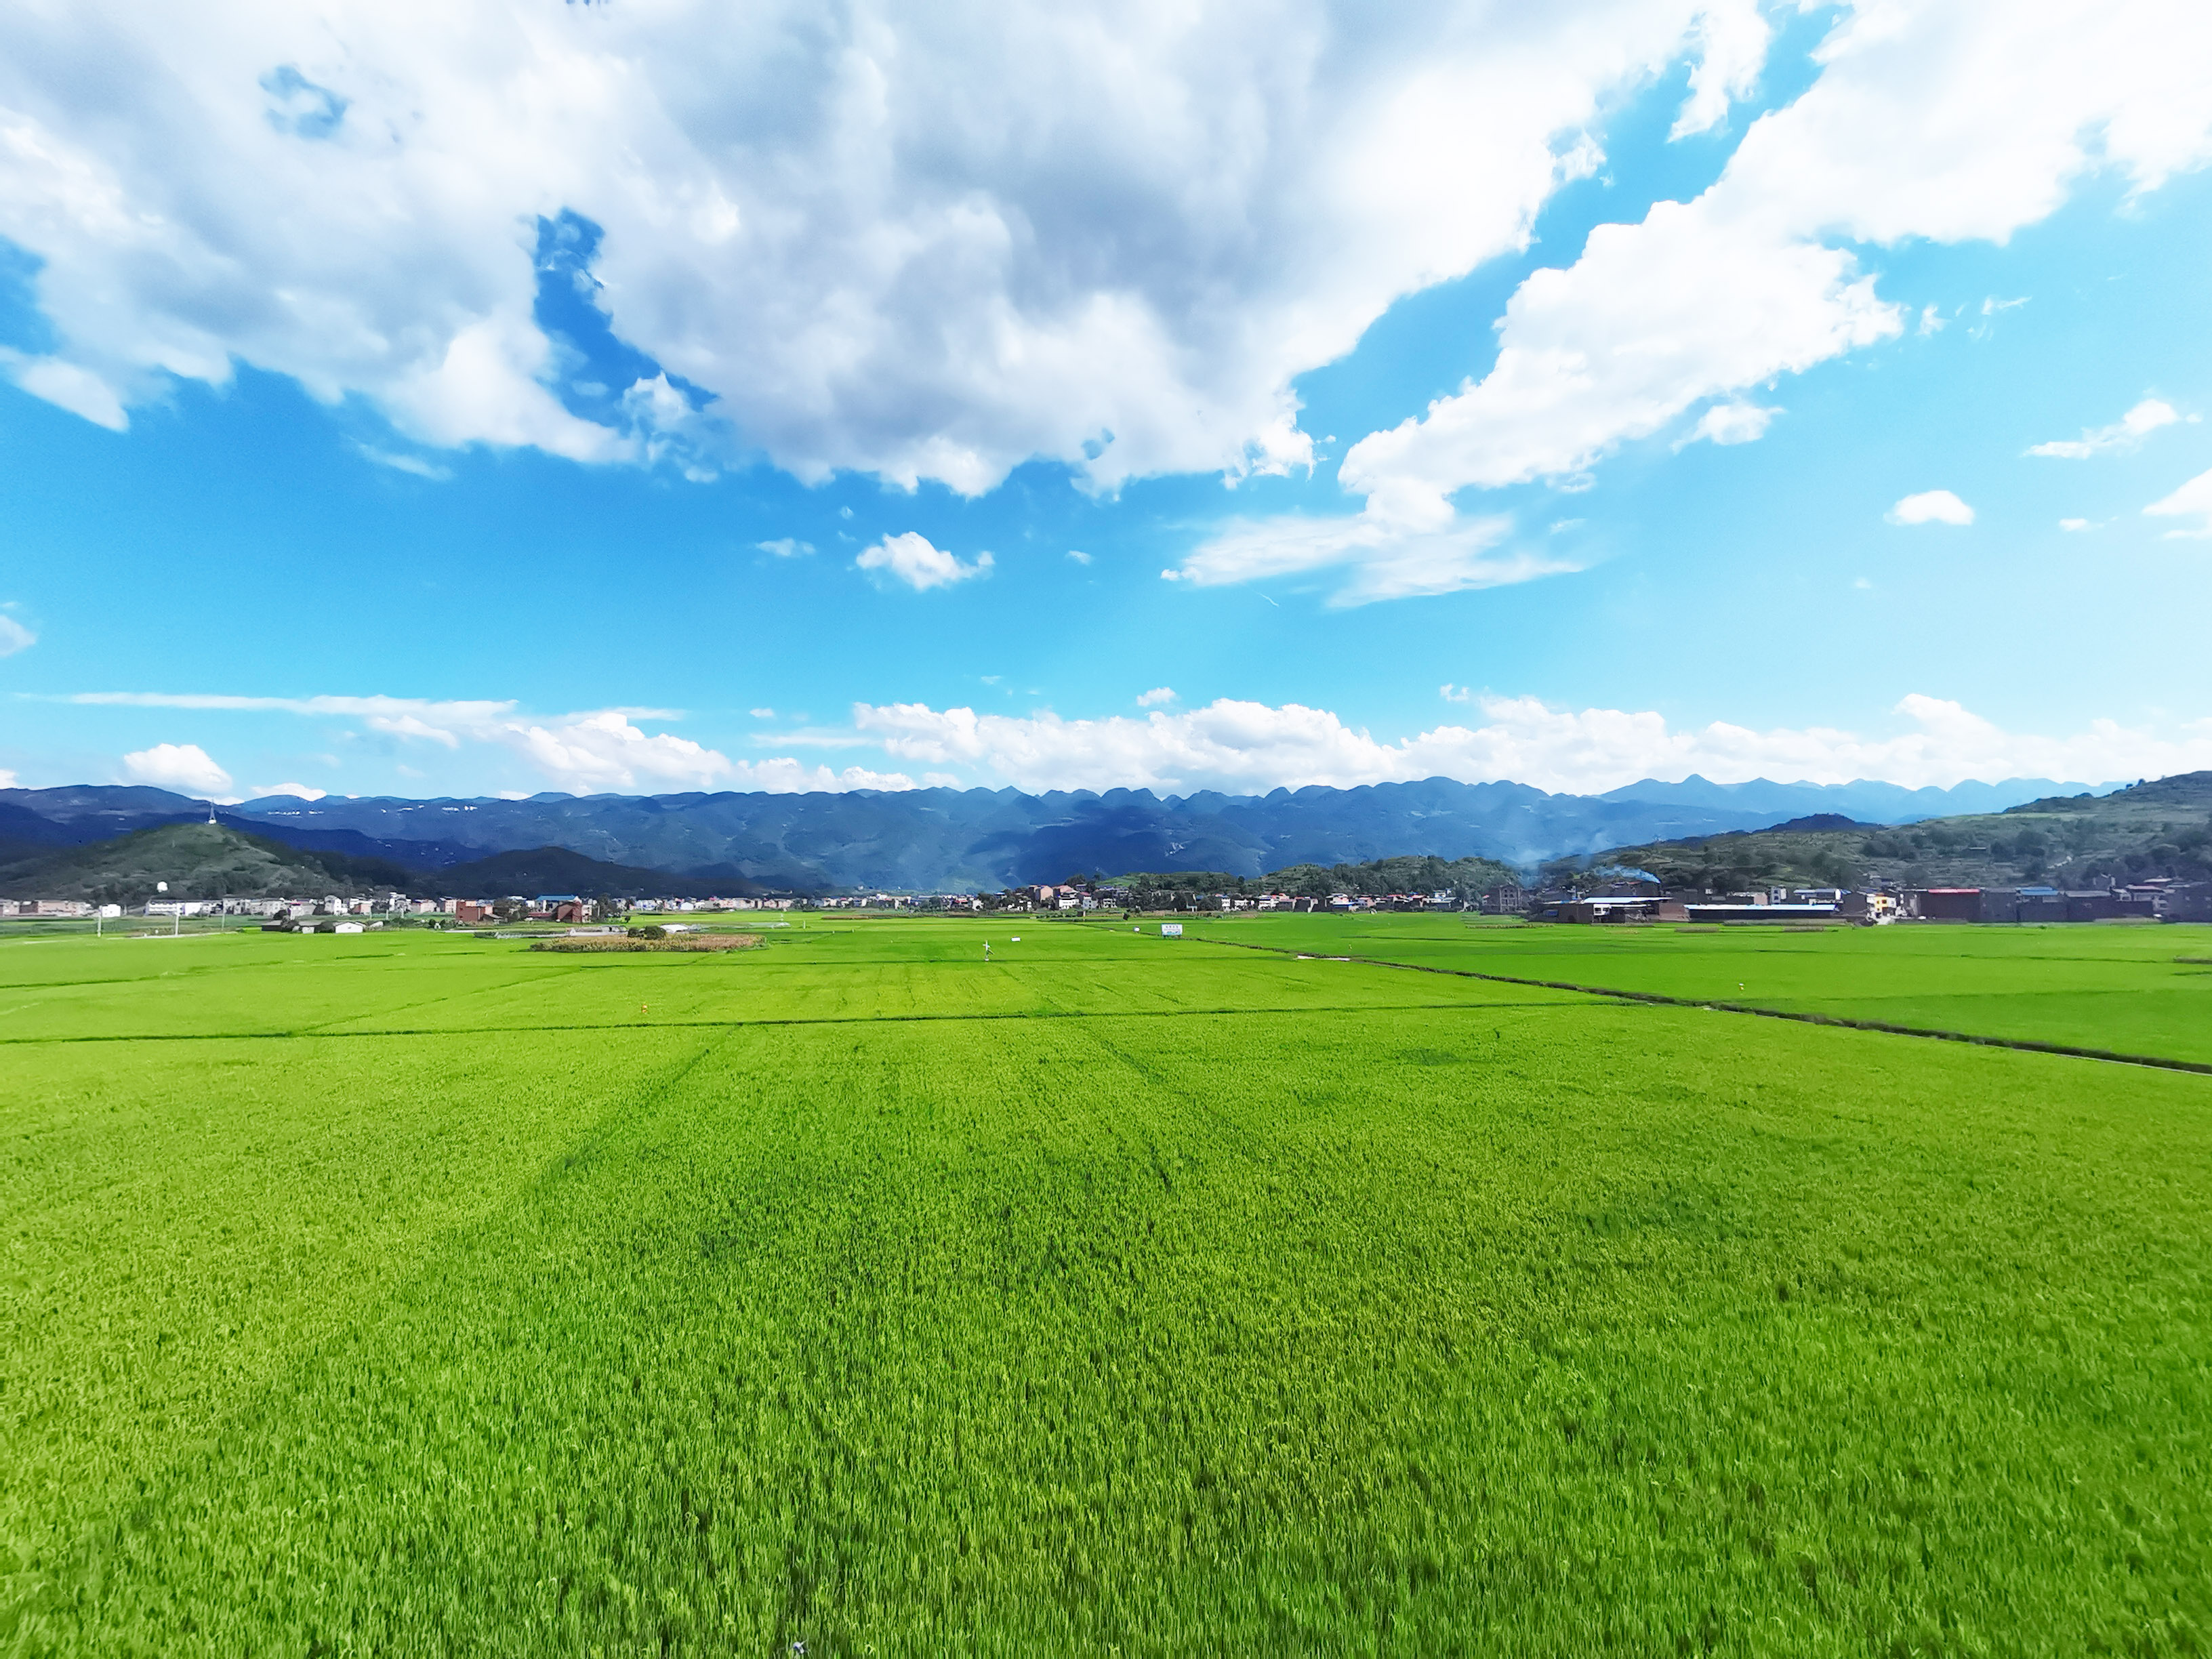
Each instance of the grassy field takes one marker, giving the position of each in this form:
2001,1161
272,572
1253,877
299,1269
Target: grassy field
410,1294
2124,989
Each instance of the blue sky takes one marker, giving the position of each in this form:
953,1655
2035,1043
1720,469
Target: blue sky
1640,390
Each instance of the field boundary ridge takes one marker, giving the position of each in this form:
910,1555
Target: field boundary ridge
1804,1016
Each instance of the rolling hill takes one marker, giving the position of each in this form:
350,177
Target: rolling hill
199,860
2159,828
557,870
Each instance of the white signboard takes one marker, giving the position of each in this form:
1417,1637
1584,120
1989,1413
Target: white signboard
1170,930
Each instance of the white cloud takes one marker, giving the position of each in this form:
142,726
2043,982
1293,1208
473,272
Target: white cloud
1451,692
923,243
1732,41
1249,746
2130,430
7,779
1732,423
1651,320
299,791
911,559
1158,697
787,776
762,714
2192,500
1948,122
14,636
184,766
597,750
413,465
1079,558
70,387
785,547
2075,523
1383,557
1931,507
606,751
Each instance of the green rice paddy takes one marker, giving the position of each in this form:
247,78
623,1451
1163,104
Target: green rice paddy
2133,989
404,1294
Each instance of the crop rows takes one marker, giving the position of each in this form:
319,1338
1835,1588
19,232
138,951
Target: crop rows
1505,1325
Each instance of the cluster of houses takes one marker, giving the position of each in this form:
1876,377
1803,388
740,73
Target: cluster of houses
2162,899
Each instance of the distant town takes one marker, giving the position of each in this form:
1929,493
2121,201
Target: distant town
1619,900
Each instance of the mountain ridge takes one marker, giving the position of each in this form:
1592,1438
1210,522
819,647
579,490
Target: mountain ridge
940,838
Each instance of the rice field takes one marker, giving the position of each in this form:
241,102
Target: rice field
2129,988
404,1294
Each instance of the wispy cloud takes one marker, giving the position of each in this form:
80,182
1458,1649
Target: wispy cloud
604,749
1381,557
2130,430
14,636
1158,697
2192,500
785,547
414,465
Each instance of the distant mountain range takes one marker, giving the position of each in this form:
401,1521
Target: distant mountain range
924,840
202,860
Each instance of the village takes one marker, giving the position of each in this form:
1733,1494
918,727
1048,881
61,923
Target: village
1616,902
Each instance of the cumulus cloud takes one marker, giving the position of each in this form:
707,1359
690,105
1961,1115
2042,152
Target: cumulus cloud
926,243
1732,41
1256,747
184,766
2192,500
1653,318
1947,122
2130,430
912,559
1158,697
14,636
1931,507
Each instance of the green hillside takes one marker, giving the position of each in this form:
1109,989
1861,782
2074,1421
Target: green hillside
1412,873
557,870
2162,828
198,861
